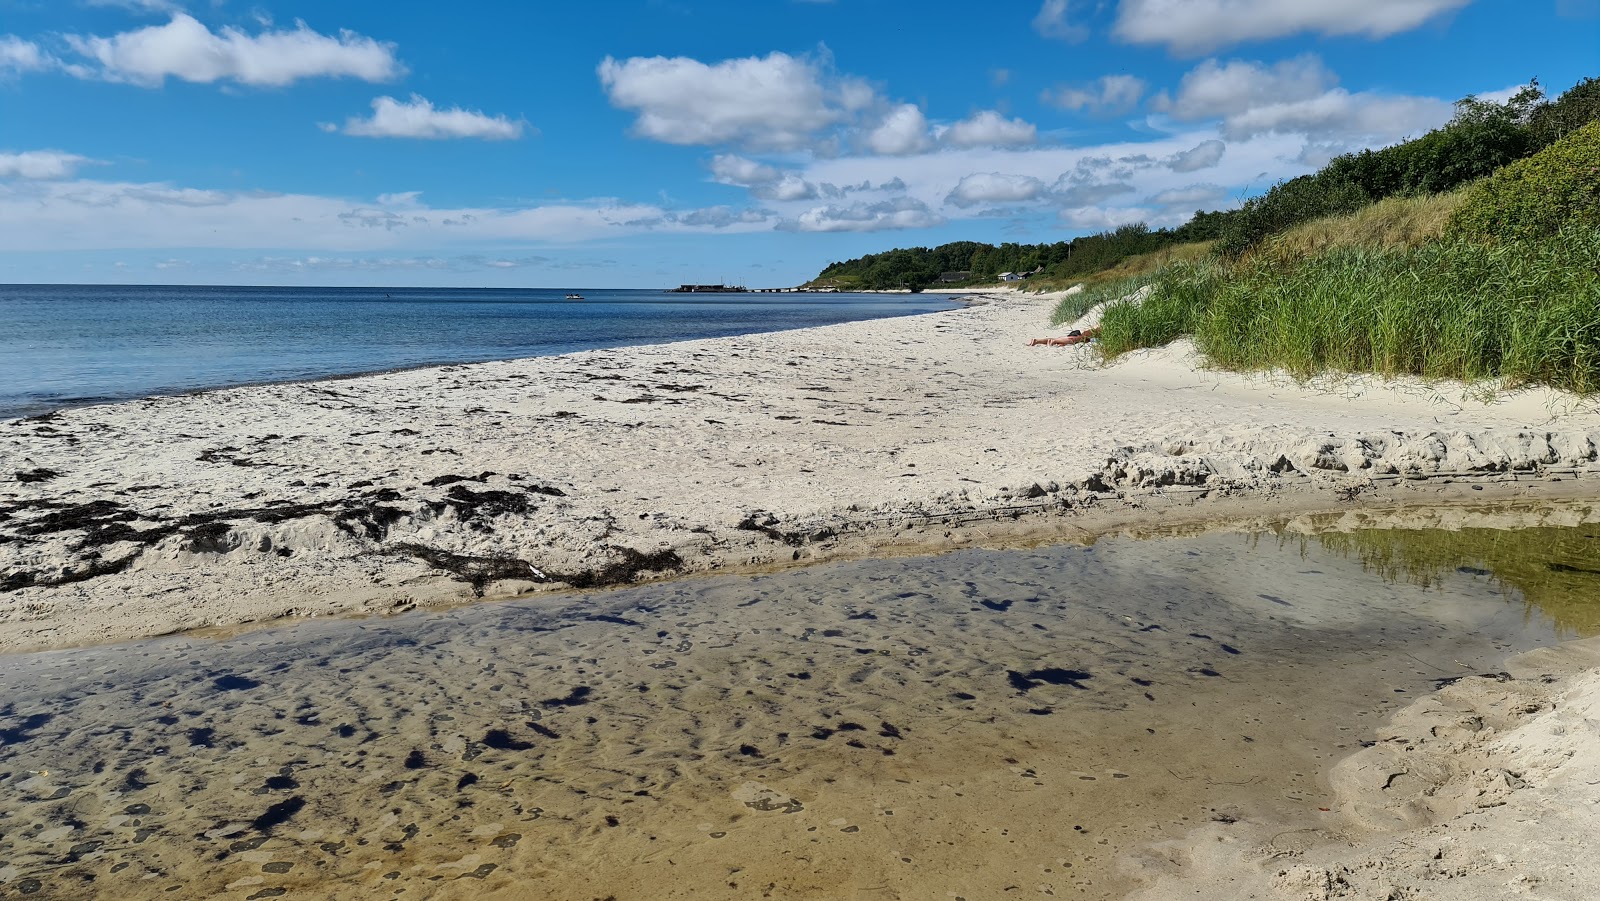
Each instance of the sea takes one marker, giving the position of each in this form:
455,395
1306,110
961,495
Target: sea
73,345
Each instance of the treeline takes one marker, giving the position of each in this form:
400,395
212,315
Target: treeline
1481,138
919,267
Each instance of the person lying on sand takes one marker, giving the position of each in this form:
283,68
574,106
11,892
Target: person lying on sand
1067,340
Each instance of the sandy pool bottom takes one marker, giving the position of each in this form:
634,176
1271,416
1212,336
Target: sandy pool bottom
982,724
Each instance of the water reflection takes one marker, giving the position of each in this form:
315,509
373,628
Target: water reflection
1552,571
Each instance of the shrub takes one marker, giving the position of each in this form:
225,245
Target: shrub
1556,188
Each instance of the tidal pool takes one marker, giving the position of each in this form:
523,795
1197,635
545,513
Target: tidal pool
980,724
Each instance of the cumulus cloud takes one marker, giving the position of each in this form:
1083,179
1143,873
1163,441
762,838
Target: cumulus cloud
776,102
1109,95
721,217
993,187
1297,96
902,132
40,164
789,187
17,55
896,213
1203,155
1196,26
419,118
1052,21
990,129
185,49
1340,114
1215,89
731,169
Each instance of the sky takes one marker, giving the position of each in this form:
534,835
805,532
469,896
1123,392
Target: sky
645,144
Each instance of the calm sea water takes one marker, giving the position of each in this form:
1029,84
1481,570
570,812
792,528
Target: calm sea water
68,345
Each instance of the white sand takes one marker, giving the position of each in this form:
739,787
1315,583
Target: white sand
823,442
250,504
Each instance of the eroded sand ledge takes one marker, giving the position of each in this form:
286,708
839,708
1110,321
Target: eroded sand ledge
362,495
386,492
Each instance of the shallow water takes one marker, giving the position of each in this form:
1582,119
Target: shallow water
69,345
977,725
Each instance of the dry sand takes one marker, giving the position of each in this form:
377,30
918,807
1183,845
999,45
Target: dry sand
363,495
381,493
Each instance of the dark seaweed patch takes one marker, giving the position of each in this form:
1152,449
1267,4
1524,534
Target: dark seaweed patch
37,475
278,814
543,730
998,606
25,729
607,618
204,737
501,740
1024,682
415,760
575,698
232,682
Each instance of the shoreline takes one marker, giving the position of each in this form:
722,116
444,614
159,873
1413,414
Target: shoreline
428,487
46,409
240,508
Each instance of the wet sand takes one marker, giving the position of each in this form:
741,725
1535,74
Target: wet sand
981,724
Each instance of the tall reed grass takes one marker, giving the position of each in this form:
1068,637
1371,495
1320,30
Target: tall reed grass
1525,312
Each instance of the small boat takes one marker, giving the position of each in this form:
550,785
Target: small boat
574,296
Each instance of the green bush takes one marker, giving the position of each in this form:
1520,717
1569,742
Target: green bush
1556,188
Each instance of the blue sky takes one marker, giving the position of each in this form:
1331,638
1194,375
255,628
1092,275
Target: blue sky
642,144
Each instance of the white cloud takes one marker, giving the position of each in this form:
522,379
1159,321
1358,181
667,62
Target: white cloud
419,118
993,187
776,102
1341,115
1052,21
1203,155
1106,218
897,213
990,129
1190,196
159,6
1109,95
1074,191
1297,96
730,169
86,215
787,188
185,49
17,55
1195,26
40,164
1502,95
1215,89
903,131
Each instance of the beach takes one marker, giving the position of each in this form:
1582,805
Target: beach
229,509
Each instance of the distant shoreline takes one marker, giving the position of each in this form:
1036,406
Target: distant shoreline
16,409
